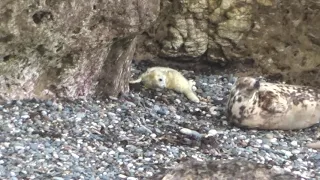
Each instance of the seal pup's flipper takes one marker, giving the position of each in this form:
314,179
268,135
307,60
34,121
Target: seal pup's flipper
135,81
192,96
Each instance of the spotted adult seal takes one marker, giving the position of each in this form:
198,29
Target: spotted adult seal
262,105
165,77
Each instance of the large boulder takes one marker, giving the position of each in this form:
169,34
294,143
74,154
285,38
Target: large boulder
69,48
277,38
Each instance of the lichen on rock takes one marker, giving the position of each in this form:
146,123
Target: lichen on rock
58,48
272,38
186,30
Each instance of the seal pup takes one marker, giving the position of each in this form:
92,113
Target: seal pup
263,105
165,77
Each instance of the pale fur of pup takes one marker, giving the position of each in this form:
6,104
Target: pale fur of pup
165,77
263,105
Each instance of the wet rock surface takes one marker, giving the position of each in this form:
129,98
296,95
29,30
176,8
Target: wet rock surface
223,169
135,135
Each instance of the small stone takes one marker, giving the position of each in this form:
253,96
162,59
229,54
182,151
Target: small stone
55,155
156,108
273,140
178,101
213,111
19,147
112,153
110,126
287,153
163,111
120,149
277,169
149,174
49,103
130,165
81,115
111,114
294,143
131,178
33,146
269,136
212,132
254,149
266,146
153,135
60,107
259,141
58,178
122,176
295,151
44,113
19,103
75,155
190,132
141,169
242,137
26,116
225,123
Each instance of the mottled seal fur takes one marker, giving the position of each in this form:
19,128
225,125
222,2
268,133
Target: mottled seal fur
235,169
263,105
165,77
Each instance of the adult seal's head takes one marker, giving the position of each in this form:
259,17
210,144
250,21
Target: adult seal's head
246,86
262,105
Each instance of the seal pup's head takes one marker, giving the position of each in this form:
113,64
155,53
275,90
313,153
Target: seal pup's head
155,79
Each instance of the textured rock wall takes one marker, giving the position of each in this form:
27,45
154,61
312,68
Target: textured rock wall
62,47
282,38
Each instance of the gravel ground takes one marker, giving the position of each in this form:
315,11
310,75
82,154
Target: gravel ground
133,136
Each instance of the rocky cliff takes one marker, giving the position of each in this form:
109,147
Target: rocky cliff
69,48
280,39
78,48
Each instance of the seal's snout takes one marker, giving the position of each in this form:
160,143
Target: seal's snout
248,83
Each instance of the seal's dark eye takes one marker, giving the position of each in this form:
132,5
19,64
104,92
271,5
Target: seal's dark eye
160,79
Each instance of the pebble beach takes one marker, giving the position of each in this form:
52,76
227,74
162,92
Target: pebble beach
136,134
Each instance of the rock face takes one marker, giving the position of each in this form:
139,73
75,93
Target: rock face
227,169
69,48
278,38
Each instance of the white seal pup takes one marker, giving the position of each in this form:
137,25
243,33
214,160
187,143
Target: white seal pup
263,105
165,77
